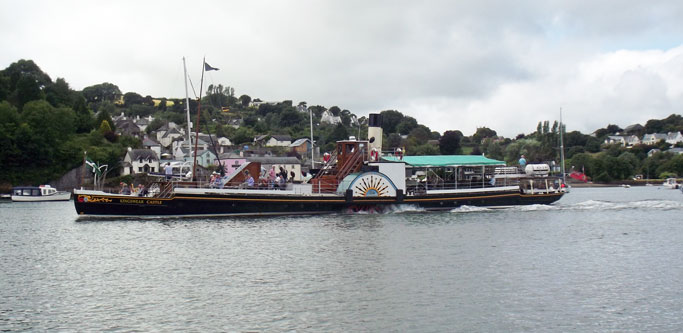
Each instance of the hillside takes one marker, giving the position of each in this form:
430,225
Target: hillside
45,128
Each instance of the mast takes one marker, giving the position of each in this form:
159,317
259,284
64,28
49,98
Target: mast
564,179
199,111
310,115
187,108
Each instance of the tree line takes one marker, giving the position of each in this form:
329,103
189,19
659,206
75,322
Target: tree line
46,126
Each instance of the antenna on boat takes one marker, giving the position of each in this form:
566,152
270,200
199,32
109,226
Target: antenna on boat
564,179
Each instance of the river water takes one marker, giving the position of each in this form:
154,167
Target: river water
600,259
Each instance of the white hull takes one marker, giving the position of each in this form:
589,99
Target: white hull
60,196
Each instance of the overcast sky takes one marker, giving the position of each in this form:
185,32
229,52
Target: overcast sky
452,65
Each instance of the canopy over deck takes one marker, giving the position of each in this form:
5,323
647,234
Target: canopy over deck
445,160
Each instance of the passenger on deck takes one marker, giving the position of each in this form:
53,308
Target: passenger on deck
168,170
142,192
374,155
250,180
124,189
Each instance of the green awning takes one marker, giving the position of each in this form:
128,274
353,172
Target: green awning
445,160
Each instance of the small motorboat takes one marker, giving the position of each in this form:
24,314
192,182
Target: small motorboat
38,193
671,183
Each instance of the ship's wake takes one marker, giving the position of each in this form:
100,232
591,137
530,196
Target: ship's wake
588,205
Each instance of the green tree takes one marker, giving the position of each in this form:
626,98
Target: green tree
10,155
102,92
406,125
105,115
245,100
338,134
335,110
493,149
59,93
592,144
631,163
131,98
392,141
424,149
390,120
449,144
673,165
27,90
243,135
163,104
482,133
290,117
24,82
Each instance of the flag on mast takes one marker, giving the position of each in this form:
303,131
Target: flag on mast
208,67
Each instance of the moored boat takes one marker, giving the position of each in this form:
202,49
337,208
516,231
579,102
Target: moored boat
355,178
671,183
38,193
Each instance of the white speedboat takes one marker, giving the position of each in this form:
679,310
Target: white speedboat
39,193
671,183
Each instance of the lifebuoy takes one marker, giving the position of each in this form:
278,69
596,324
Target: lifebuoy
374,155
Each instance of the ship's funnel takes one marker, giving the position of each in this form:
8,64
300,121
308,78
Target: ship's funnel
375,132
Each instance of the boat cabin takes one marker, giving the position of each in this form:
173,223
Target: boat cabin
34,191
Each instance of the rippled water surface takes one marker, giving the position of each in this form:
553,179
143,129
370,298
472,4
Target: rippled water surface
601,259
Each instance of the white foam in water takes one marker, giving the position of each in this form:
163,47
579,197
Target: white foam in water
403,209
468,209
642,204
390,209
533,208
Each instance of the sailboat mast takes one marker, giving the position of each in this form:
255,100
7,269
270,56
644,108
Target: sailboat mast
564,179
187,108
310,115
199,111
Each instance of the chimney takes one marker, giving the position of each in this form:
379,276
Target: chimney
375,132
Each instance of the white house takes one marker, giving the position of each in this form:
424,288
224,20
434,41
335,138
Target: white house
632,140
181,142
148,143
273,140
328,117
169,136
143,122
140,161
279,141
180,153
615,139
654,138
673,138
224,145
